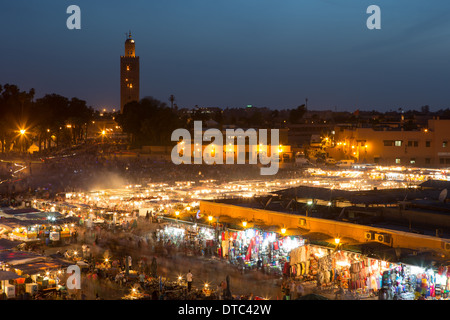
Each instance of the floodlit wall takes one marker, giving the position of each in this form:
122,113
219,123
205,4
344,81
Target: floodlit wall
347,232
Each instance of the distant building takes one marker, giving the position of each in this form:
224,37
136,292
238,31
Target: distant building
232,150
301,134
107,128
427,146
129,74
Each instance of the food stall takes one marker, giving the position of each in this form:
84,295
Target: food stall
25,233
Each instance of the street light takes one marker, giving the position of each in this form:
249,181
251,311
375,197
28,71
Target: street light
337,241
103,133
22,134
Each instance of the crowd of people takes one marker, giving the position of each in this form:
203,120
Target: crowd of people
97,166
131,247
118,263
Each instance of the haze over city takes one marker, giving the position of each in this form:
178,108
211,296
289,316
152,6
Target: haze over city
234,53
224,152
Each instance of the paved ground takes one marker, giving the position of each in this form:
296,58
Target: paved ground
204,269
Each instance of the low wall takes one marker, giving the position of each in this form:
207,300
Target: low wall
157,149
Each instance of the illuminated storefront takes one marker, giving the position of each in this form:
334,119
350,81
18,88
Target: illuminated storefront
328,268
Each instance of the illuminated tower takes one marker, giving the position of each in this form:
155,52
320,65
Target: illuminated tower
129,74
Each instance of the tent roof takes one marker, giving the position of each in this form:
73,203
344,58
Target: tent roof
8,275
6,244
16,256
382,196
436,184
37,267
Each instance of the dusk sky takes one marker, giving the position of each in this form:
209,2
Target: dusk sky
268,53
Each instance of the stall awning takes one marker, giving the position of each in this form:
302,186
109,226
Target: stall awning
6,244
37,267
18,256
8,275
318,236
368,197
296,231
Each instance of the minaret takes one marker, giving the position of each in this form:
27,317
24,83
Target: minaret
129,74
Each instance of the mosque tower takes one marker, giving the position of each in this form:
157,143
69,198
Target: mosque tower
129,74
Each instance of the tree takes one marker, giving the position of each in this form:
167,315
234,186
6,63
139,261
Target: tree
425,109
296,114
52,112
78,117
149,121
15,113
130,120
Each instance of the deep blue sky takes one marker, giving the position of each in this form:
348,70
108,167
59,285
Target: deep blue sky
231,53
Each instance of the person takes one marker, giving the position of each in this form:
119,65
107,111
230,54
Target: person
118,280
292,289
223,286
287,291
153,268
75,236
339,293
142,278
259,263
88,253
189,277
84,249
129,263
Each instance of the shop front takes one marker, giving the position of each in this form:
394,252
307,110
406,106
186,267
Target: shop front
366,277
254,248
192,238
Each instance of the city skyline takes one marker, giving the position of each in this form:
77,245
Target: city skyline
257,53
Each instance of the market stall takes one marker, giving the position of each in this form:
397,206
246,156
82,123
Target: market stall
367,277
25,233
253,248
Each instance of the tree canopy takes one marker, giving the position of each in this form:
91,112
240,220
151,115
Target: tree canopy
149,122
40,119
